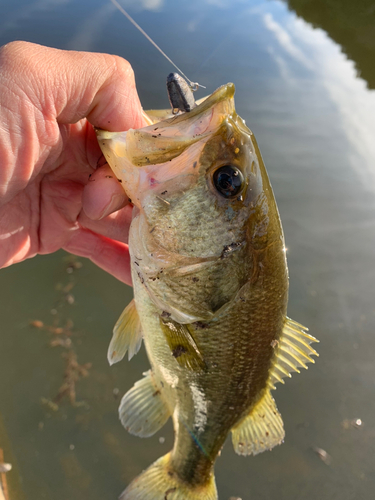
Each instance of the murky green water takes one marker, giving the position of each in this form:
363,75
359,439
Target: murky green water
309,102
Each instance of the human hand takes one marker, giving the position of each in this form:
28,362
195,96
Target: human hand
49,100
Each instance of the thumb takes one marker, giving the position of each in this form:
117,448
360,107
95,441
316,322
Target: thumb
103,90
67,85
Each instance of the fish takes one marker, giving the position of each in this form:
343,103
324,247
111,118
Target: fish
210,280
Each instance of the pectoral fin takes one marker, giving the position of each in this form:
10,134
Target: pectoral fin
127,335
261,430
182,344
143,411
293,350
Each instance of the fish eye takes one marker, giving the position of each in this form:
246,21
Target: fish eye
228,180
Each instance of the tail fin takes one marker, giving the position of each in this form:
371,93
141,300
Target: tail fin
160,482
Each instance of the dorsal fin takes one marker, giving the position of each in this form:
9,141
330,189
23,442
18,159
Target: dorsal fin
261,430
293,350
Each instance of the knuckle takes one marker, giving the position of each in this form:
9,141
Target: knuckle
14,50
124,69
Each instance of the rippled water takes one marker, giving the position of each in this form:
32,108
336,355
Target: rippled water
311,106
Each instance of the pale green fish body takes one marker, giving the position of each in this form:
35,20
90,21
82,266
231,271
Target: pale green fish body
211,288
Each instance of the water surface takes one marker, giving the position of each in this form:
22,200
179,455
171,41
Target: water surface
304,76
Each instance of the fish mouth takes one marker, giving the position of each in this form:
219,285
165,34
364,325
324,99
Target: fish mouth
166,139
222,94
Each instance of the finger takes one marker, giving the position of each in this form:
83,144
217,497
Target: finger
114,226
110,255
103,194
43,90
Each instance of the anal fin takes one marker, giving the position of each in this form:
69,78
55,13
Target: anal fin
261,430
143,411
127,335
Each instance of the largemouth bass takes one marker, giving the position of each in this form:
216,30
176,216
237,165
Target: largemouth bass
210,293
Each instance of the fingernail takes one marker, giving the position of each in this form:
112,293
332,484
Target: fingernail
117,201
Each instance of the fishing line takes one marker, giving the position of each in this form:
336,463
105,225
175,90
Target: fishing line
194,85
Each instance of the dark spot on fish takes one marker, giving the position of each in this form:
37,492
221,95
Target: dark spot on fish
136,263
120,180
129,200
165,314
199,325
156,128
195,279
152,230
154,136
242,299
267,434
156,393
195,164
179,351
109,176
228,249
141,278
90,176
161,383
164,192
